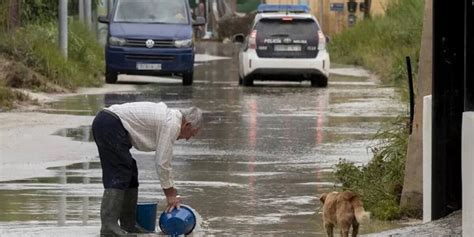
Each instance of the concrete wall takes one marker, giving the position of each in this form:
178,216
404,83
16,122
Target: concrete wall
412,195
335,22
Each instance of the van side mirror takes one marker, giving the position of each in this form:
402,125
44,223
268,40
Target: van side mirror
199,21
103,19
238,38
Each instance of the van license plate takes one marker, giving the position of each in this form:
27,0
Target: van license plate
148,66
287,48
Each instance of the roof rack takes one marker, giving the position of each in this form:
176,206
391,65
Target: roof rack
265,8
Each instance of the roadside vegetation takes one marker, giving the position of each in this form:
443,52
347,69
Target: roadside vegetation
381,44
30,57
380,182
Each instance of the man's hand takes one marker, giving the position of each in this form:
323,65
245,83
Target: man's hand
172,198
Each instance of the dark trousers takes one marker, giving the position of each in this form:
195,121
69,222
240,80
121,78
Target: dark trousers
119,169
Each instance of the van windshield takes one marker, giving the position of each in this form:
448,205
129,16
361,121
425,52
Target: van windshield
151,11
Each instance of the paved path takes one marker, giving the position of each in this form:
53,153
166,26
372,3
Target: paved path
448,226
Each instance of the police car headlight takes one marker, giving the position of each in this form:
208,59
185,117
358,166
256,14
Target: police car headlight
117,41
183,43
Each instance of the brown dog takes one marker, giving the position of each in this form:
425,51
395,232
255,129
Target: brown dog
343,209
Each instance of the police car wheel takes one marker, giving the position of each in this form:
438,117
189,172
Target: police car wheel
319,81
247,81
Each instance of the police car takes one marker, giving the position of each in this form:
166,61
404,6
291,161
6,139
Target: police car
285,43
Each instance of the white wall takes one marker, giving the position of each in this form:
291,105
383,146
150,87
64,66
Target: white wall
468,173
427,121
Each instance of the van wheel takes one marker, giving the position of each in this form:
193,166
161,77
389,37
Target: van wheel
111,76
247,81
188,78
319,81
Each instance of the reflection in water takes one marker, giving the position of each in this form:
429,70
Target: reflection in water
85,199
252,144
321,108
62,197
83,133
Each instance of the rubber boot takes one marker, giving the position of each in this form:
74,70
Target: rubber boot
110,208
128,215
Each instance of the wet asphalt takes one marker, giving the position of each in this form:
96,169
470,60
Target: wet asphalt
263,158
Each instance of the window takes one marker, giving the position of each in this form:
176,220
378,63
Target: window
151,11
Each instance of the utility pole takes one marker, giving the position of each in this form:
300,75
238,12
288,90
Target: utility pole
63,27
81,10
88,13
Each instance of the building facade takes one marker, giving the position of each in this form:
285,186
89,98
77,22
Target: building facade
334,15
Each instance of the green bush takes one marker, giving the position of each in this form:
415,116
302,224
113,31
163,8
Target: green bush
380,182
382,42
37,47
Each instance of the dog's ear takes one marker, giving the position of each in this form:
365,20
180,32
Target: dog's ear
323,197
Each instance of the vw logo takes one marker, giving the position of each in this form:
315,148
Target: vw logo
150,43
287,40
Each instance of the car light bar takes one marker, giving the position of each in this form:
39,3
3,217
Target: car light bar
265,8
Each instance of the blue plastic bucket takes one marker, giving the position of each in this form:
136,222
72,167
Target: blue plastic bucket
178,222
146,215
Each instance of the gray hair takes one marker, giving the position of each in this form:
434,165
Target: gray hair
193,115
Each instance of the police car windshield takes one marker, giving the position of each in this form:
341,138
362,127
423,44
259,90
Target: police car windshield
151,11
297,28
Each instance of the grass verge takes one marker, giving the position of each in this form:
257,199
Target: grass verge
34,61
9,98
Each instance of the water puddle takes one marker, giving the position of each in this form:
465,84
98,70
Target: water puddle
265,155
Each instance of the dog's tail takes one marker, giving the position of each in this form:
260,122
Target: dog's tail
359,212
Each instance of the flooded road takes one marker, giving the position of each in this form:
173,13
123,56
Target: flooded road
265,154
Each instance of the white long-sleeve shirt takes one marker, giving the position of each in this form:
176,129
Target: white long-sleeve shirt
152,127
